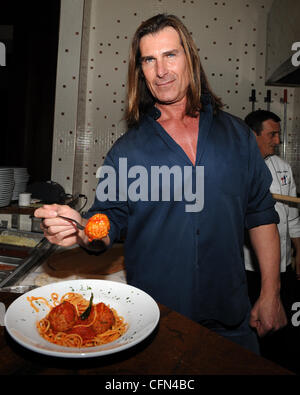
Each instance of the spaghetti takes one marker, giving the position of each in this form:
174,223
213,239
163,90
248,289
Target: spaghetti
63,325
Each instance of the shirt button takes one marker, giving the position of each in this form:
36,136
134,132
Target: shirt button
198,231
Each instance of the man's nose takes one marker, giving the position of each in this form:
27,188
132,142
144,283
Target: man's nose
161,68
277,139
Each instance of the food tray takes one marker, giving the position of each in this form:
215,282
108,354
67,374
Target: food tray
17,260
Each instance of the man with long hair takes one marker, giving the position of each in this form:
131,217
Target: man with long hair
181,147
140,97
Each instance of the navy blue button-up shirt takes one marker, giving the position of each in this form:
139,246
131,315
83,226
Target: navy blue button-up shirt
189,261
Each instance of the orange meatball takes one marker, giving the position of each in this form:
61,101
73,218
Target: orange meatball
104,320
62,317
86,332
97,227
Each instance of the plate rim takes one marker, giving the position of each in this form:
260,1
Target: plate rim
66,352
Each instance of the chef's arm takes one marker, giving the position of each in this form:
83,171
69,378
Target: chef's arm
268,313
296,244
294,223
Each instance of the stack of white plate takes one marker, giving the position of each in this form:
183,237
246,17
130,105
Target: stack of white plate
6,185
21,178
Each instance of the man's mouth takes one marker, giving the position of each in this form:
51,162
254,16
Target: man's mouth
164,83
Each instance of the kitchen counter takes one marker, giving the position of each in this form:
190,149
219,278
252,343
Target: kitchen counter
178,346
75,263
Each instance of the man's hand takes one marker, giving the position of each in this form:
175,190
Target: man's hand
267,315
57,230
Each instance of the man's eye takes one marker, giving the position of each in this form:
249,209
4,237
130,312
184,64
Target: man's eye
147,60
171,55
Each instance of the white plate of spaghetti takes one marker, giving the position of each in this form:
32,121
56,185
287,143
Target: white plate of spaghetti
82,318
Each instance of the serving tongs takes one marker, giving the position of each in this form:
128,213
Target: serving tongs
18,289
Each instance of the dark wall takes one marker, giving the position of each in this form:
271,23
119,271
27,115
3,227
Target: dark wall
27,86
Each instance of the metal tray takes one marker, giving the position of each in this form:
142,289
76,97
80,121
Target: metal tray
18,261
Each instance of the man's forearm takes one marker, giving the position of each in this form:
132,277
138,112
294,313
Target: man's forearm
268,313
266,244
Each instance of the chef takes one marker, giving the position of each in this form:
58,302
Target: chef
266,128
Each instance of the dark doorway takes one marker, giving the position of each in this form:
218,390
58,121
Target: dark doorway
27,85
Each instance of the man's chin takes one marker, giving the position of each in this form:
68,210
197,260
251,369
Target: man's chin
271,152
167,100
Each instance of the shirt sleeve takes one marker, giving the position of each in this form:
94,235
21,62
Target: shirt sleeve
260,207
107,199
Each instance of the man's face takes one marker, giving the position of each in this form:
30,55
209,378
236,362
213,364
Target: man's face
165,66
269,137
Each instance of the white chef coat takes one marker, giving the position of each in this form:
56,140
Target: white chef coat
289,225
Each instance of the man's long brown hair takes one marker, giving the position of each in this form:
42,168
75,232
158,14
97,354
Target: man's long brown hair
139,98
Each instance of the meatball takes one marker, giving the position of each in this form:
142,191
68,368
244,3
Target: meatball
86,332
105,318
62,317
97,227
